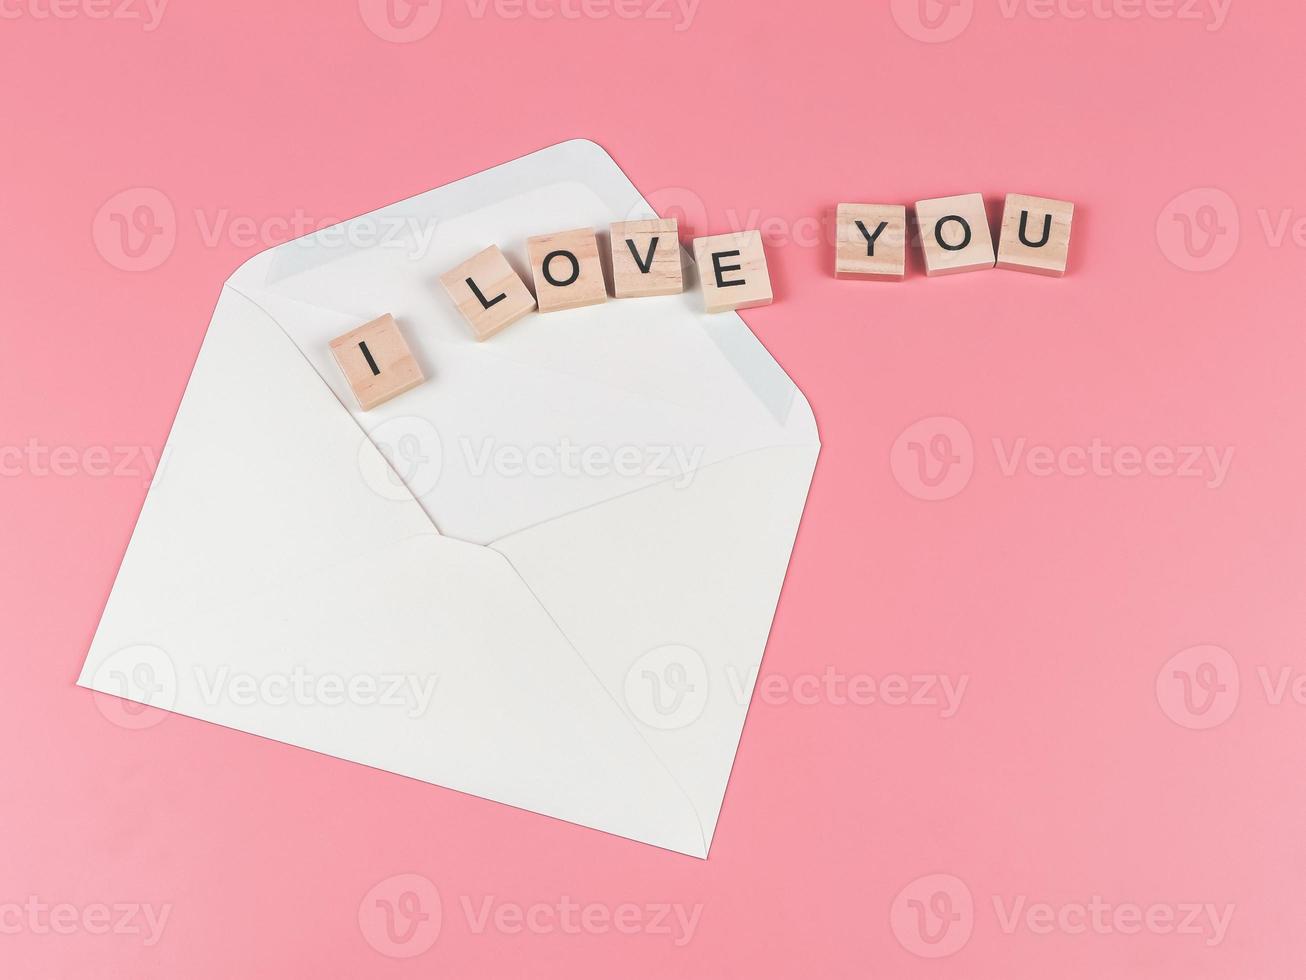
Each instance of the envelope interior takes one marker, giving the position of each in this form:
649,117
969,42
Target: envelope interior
557,413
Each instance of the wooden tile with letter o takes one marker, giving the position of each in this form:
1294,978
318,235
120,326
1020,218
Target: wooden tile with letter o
1035,235
955,234
376,362
872,241
646,258
732,270
488,293
567,269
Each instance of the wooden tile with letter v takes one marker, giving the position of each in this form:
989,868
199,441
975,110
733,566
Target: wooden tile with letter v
646,258
488,293
376,362
732,270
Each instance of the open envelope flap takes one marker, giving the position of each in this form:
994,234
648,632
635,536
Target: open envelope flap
668,593
559,412
264,552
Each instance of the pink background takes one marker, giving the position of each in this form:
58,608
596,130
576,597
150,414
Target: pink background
1074,767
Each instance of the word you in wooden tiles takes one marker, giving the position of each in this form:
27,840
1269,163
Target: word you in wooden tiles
871,239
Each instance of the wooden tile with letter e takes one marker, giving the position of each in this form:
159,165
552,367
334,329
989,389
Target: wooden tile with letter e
872,241
488,293
955,234
1035,235
646,258
567,269
376,362
733,272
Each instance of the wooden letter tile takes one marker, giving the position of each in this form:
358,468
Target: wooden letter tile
487,292
568,271
1035,235
733,272
955,234
376,362
646,258
872,241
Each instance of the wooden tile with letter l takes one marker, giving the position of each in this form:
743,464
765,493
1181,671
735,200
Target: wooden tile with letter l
376,362
1035,235
488,293
733,272
567,269
646,258
955,234
872,242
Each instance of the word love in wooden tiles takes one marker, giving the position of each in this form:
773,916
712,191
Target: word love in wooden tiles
568,273
1034,237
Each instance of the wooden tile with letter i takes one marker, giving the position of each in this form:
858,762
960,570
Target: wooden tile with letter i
733,272
646,258
872,242
567,269
488,293
1035,235
955,234
376,362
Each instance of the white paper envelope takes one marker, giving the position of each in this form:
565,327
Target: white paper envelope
544,577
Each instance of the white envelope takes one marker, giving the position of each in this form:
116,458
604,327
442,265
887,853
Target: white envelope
544,577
